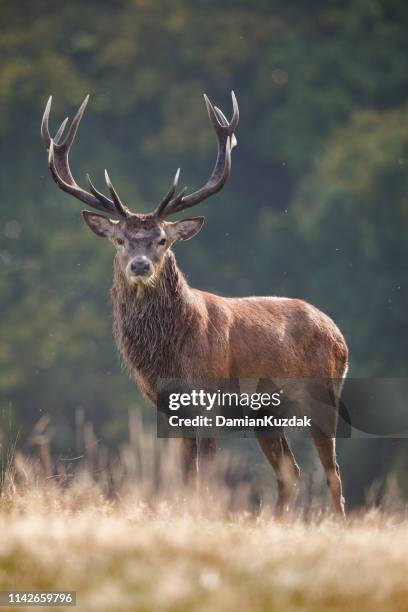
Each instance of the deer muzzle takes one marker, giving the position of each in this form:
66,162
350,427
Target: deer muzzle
139,268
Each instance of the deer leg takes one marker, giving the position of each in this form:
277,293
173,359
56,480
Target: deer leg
326,448
281,458
188,459
207,450
290,458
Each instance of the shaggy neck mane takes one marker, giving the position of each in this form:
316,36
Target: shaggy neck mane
151,323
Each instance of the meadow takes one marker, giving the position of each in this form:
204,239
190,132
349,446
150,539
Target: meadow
316,208
125,535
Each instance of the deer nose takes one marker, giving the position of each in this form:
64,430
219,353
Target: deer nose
140,266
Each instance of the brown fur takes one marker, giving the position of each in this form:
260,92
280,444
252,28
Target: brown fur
169,330
164,329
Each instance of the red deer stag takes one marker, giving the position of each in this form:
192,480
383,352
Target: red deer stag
165,329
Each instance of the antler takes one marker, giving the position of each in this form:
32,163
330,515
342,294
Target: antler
61,173
226,140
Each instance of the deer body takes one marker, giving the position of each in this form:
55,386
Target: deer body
170,330
165,329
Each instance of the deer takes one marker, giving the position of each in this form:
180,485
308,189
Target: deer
165,329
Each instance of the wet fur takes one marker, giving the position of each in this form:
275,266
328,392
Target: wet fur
169,330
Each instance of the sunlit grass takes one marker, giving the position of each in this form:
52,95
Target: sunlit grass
127,556
125,536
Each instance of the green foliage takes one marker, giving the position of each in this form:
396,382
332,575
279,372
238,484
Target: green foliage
316,206
357,193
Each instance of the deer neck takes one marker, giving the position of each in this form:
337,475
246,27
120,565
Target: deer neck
151,324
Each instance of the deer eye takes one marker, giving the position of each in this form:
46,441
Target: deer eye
161,242
120,241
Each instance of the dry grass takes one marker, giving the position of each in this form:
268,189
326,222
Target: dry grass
125,556
126,548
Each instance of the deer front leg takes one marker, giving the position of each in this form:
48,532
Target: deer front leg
189,461
207,450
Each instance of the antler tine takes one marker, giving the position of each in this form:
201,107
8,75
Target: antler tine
73,188
235,112
168,195
224,121
61,172
60,131
217,117
121,208
73,128
226,140
45,130
101,196
175,203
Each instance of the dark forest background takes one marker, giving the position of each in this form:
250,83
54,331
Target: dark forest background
316,207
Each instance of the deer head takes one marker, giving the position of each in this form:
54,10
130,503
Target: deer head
141,240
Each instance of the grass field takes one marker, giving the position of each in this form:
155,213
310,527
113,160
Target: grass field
125,545
125,556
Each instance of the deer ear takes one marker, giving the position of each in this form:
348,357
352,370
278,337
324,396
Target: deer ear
184,229
100,225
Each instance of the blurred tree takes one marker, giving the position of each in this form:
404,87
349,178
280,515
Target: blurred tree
316,201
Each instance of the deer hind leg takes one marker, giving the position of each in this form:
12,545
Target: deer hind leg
326,448
281,458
